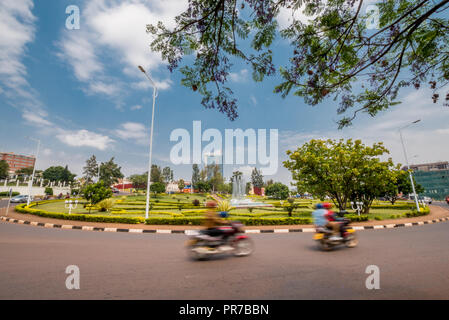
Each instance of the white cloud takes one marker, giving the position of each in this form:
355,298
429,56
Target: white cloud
16,31
253,99
426,139
85,138
145,84
287,16
116,30
35,118
132,131
136,107
241,76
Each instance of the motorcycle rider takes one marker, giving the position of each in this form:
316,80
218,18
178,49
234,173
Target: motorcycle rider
212,222
325,218
319,216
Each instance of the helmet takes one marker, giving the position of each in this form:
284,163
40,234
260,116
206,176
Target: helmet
319,206
327,205
224,214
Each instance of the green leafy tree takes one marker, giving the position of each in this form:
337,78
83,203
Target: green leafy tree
157,187
343,170
94,193
339,55
90,170
25,171
216,178
139,181
48,191
181,184
277,190
4,169
400,183
156,174
58,173
204,186
224,188
257,178
247,187
195,175
110,172
167,175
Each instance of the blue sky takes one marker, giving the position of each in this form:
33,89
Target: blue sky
80,92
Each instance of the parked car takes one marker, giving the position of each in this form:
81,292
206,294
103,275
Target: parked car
447,199
21,199
427,200
115,190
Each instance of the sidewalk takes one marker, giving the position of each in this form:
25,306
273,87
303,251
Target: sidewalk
436,212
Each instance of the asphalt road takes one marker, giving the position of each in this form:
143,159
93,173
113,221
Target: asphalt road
413,264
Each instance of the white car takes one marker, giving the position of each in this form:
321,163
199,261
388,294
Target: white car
21,199
427,200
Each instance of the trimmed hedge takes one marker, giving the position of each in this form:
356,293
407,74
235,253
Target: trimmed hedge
357,218
6,194
414,213
246,221
192,217
79,217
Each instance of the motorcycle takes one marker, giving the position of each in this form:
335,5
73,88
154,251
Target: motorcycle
230,240
323,236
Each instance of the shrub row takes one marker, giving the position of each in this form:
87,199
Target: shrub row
6,194
79,217
357,218
414,213
245,221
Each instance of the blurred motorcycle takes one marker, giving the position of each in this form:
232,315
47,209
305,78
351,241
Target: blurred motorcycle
327,241
230,239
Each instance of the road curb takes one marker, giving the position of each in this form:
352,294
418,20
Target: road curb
189,231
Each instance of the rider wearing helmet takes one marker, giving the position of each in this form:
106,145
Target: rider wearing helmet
212,221
319,215
334,222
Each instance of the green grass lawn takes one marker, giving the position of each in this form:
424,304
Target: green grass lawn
135,207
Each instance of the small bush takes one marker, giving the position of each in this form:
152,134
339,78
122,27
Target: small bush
105,205
223,206
196,202
378,218
211,204
48,191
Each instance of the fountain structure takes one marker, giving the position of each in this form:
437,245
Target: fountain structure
238,195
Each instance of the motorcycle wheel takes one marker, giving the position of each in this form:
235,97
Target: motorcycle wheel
324,245
243,247
193,254
352,242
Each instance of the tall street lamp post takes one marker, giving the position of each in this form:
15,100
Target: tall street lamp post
30,184
147,207
408,166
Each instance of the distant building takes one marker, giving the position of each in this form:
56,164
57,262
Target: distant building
434,177
123,184
172,187
17,161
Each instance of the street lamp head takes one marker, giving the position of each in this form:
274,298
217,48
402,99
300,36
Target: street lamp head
141,69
